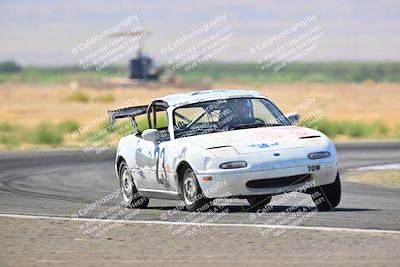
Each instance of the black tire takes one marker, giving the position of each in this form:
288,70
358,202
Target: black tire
130,194
259,202
327,197
192,195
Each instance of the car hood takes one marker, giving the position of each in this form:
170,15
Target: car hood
261,139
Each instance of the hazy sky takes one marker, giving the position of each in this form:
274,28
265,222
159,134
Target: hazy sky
43,32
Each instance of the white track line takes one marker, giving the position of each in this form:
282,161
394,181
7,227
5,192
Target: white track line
288,227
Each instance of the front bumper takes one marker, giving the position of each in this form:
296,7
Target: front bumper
233,182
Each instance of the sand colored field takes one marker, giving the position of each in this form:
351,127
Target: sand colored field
381,177
31,104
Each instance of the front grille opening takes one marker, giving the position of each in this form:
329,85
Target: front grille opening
279,182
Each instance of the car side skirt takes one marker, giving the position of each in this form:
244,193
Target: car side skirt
162,194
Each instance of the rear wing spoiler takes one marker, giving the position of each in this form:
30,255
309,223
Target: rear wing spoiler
126,112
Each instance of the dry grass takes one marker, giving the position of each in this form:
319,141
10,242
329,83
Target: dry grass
383,178
30,105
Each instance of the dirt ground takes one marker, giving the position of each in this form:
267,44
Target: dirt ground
32,104
34,242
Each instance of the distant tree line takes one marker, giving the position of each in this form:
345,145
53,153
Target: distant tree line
9,66
231,72
318,72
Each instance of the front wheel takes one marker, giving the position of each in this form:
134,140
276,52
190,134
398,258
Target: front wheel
130,194
193,197
327,197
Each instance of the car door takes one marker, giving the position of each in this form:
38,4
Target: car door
162,174
145,157
151,157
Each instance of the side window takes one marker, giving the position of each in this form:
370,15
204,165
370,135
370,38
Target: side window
162,119
161,122
142,122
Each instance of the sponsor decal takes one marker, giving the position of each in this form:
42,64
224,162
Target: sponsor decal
264,145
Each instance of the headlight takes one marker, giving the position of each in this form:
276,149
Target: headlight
233,165
319,155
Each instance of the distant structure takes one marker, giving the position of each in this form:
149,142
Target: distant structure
141,68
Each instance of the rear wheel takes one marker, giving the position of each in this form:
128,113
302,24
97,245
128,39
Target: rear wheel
259,202
130,194
327,197
193,197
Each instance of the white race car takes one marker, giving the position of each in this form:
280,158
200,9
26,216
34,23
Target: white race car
213,144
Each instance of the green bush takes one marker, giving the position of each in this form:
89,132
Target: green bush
46,133
78,96
106,125
329,128
396,132
349,128
356,129
6,127
11,135
68,126
107,98
9,67
9,140
381,129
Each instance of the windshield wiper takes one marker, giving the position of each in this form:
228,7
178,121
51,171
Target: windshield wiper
273,124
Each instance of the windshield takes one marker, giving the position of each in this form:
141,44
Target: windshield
226,115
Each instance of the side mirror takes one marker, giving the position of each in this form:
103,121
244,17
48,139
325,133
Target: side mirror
294,118
151,135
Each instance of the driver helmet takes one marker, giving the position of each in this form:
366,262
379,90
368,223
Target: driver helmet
242,107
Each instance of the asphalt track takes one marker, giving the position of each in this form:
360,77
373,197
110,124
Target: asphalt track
62,183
